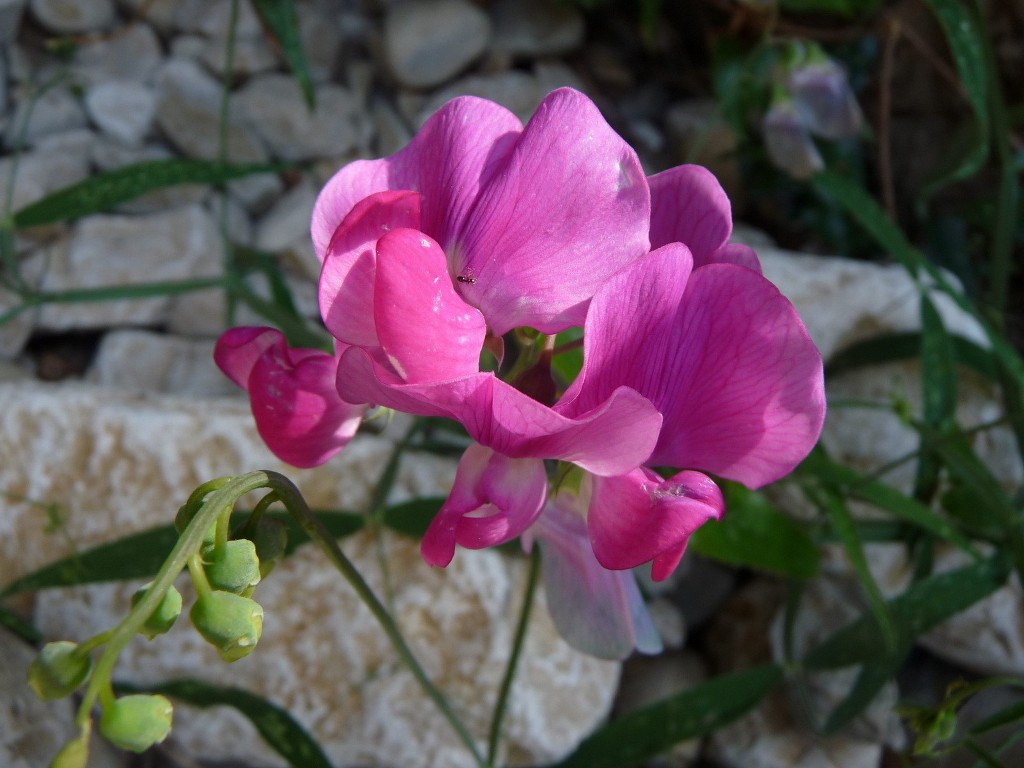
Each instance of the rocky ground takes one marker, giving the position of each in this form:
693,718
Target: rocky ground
136,414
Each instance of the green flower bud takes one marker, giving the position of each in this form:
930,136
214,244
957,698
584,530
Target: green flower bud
164,615
136,722
271,539
236,569
230,623
74,754
58,670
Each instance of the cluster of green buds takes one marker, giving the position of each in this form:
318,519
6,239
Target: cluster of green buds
225,569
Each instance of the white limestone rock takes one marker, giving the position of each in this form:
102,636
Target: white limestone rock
132,55
107,250
188,111
57,161
145,361
284,229
273,107
69,17
122,110
428,41
56,110
117,463
535,28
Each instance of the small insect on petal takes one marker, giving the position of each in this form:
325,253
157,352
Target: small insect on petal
466,279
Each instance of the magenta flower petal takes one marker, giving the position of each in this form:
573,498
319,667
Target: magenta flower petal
689,206
297,409
493,500
596,610
639,517
426,330
447,162
613,437
567,208
722,354
349,264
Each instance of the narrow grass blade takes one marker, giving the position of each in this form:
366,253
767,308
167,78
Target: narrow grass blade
280,19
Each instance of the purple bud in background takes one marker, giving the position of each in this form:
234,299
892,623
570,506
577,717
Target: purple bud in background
788,143
823,99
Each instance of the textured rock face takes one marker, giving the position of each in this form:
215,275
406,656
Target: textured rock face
116,463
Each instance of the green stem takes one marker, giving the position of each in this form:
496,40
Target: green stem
188,544
298,508
517,648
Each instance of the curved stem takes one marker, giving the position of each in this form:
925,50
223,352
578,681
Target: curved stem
298,508
513,661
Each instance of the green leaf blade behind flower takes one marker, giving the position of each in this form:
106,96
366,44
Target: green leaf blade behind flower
753,533
280,19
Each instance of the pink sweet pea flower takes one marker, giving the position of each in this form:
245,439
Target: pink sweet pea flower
297,409
477,227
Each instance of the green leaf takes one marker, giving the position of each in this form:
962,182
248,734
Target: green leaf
923,606
754,533
105,190
280,19
18,626
965,43
140,555
281,732
869,682
646,733
938,368
567,365
892,347
412,517
856,485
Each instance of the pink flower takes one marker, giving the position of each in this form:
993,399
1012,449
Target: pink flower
294,401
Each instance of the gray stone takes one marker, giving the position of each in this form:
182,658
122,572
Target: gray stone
55,110
428,41
214,19
321,42
535,28
273,107
391,131
252,56
69,17
107,250
144,361
284,229
133,55
188,111
517,91
10,19
697,133
122,110
117,463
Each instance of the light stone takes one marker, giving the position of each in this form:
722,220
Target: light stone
10,20
428,41
122,110
284,229
273,107
117,463
132,55
517,91
535,28
55,110
69,17
188,110
107,250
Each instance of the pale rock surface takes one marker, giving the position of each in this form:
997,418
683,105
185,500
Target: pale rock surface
144,361
273,107
133,55
108,250
110,154
284,229
188,110
535,28
10,19
772,735
56,110
68,17
121,109
93,452
321,41
31,731
391,130
428,41
517,91
56,161
214,18
697,133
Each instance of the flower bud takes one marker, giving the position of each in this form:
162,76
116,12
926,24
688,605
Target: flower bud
230,623
58,670
788,143
74,754
823,99
136,722
164,615
185,516
236,568
271,539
